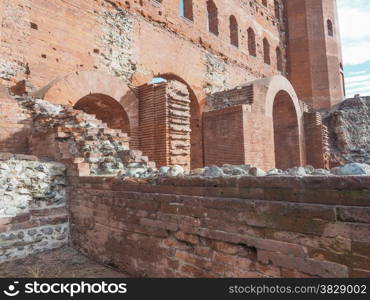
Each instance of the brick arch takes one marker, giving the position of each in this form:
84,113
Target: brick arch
106,109
282,105
197,159
277,94
274,85
70,89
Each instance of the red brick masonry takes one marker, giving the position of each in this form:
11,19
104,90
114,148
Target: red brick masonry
227,227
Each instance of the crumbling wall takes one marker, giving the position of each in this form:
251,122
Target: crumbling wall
117,40
349,130
81,141
225,227
316,140
237,96
14,125
33,214
215,74
179,124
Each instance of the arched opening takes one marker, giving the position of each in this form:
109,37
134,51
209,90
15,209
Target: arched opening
341,70
234,34
277,9
252,42
286,132
106,109
330,28
266,51
196,137
279,59
212,12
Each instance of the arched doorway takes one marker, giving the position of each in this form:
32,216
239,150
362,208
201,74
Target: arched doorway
113,91
286,132
106,109
196,138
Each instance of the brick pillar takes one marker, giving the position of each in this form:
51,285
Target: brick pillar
164,122
317,140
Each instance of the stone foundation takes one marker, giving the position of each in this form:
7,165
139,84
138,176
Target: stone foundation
33,214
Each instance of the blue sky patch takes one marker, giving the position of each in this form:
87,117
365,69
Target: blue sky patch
354,18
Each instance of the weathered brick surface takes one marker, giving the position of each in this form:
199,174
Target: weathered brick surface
317,140
146,25
14,125
258,124
98,64
198,227
217,138
321,83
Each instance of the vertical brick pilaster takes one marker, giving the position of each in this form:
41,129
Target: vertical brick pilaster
164,117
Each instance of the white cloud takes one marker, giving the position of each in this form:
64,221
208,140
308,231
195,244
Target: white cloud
353,73
357,85
364,91
354,19
356,53
361,78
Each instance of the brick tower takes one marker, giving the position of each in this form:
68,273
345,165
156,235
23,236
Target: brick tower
314,51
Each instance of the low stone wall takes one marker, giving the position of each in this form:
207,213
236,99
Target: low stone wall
33,215
225,227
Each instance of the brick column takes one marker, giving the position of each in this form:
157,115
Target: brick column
164,117
317,140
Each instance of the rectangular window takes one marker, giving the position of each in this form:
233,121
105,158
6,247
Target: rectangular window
186,9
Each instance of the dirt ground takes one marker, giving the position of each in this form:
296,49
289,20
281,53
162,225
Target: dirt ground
61,263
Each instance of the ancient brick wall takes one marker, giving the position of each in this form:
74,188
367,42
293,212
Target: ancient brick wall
14,125
268,125
223,131
152,120
33,214
61,46
315,64
259,141
235,135
134,40
348,126
226,227
238,96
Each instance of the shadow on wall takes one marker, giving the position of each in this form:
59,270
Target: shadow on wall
107,97
106,109
15,125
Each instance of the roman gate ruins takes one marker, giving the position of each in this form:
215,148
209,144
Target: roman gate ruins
141,131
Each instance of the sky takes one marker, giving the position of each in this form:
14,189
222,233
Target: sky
354,19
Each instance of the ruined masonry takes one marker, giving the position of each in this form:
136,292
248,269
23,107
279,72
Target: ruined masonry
209,141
